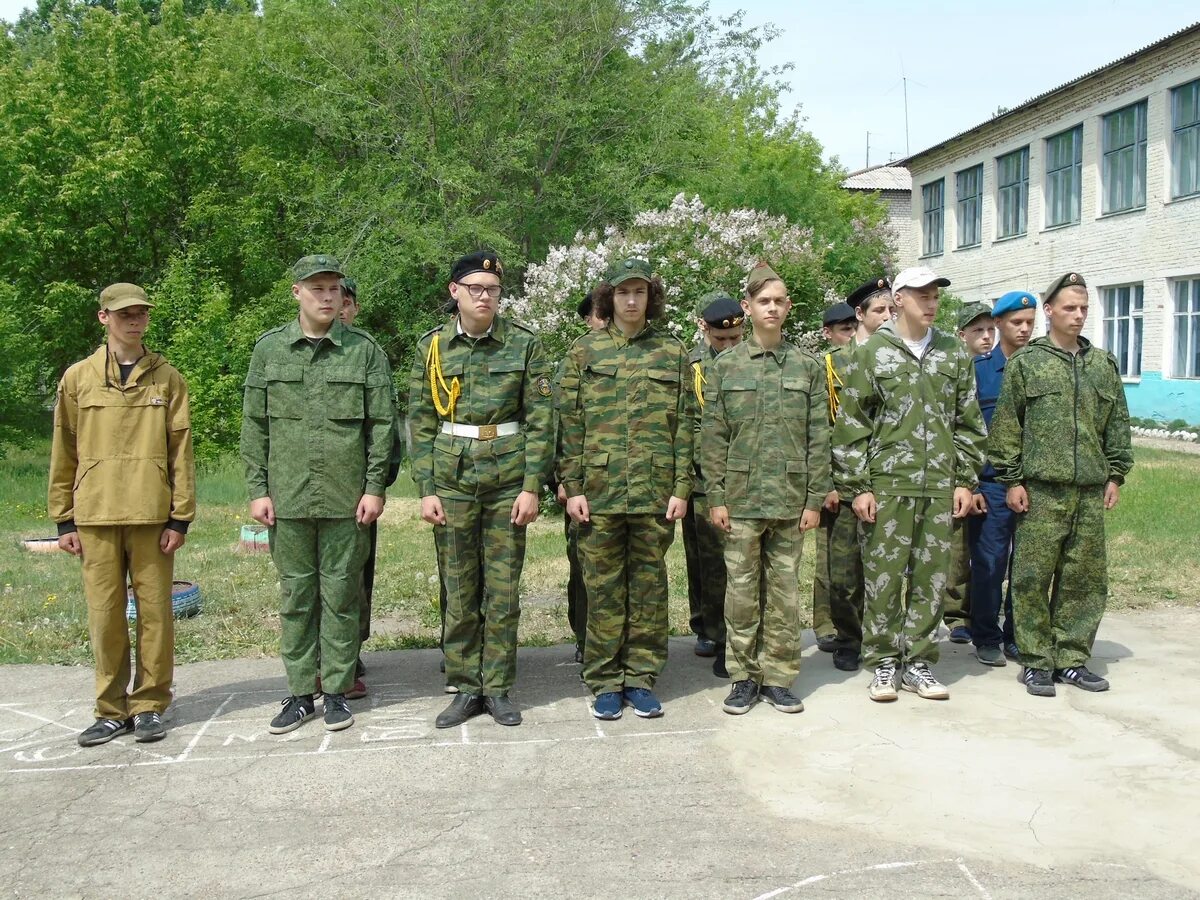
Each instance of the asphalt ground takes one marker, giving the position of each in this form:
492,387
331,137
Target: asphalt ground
991,794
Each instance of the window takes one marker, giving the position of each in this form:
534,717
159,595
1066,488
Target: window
1185,141
1187,329
970,206
1123,327
933,201
1064,177
1124,167
1012,192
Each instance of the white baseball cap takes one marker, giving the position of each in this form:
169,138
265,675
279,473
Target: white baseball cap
918,277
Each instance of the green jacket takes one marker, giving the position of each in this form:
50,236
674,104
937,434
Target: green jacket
765,437
1061,417
908,427
700,361
503,376
627,409
318,422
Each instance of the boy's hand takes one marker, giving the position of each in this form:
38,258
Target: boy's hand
171,540
1112,494
577,509
676,509
980,506
1017,498
525,508
964,502
431,510
369,509
831,502
865,507
719,516
262,511
70,543
810,519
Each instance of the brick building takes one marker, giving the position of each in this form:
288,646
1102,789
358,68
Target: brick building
893,184
1102,176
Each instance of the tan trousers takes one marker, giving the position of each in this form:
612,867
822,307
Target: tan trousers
113,555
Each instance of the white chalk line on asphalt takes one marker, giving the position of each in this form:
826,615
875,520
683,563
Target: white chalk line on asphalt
880,867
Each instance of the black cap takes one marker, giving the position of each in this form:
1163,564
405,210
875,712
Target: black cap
585,306
480,261
839,312
1071,279
867,289
723,312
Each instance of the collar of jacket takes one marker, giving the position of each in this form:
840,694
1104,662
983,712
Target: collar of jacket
619,338
1044,343
336,333
892,336
498,332
107,369
779,352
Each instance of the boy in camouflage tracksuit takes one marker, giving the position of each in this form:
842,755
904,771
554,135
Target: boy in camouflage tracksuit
908,447
1060,441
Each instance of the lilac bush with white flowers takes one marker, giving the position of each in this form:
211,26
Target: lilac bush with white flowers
695,250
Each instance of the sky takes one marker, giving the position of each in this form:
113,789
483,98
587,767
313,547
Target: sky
962,60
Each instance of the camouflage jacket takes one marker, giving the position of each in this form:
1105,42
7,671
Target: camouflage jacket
503,376
318,422
765,439
908,427
628,417
699,363
1061,417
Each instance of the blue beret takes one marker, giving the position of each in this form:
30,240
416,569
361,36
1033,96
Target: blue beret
1014,300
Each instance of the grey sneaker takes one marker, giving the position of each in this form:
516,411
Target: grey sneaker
296,711
337,713
918,678
990,656
104,730
148,727
1081,678
1037,682
782,699
883,686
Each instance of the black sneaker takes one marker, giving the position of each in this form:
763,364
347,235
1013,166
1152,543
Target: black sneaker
296,711
705,647
148,727
845,659
337,712
579,654
1011,651
104,730
743,696
1038,682
827,643
1081,678
782,699
719,668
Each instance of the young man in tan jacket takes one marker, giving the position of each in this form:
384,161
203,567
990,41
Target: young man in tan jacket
123,490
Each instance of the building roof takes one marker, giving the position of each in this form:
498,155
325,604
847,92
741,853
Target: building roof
879,178
1033,101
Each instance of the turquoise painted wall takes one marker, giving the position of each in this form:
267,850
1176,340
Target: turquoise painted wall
1164,399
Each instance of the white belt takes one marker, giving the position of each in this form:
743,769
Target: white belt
481,432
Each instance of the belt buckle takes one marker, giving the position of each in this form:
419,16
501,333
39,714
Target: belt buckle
487,432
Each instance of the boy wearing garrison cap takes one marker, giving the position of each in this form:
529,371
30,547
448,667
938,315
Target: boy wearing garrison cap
122,491
483,445
1060,443
317,430
908,446
721,321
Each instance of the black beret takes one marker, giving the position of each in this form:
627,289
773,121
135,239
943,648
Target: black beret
867,289
723,312
585,306
1071,279
480,261
839,312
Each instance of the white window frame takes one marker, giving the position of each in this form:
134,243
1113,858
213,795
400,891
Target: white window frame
1012,199
1065,179
1122,332
1123,162
969,207
933,218
1185,142
1185,323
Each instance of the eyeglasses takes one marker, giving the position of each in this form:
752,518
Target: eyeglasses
478,290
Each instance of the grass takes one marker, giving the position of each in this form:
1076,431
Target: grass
1154,545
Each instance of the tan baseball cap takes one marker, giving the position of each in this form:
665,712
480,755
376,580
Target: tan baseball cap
123,294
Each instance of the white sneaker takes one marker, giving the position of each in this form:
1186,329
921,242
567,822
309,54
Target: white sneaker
918,678
883,685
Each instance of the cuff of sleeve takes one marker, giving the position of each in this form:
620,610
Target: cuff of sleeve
816,502
716,498
426,488
1116,479
574,488
682,489
66,527
532,484
176,525
375,489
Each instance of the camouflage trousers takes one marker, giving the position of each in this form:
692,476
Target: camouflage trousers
1059,574
838,579
625,572
576,591
956,609
320,565
702,545
480,557
910,539
763,626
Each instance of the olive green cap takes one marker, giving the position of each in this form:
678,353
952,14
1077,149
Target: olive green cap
1071,279
760,273
708,300
308,266
123,294
970,312
625,269
350,286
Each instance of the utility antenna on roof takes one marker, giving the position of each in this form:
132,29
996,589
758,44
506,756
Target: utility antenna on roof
904,79
868,165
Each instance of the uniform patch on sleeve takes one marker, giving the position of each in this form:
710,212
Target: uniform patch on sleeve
543,385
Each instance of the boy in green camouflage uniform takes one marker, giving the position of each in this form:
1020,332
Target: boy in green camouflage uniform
625,456
318,421
908,447
482,419
765,453
1060,441
721,321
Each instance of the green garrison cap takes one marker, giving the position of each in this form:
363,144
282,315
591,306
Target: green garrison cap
760,273
123,294
625,269
970,312
1071,279
308,266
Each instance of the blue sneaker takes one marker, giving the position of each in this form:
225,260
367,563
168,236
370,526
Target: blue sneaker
960,634
644,703
607,705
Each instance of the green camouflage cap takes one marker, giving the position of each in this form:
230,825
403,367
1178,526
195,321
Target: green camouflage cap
123,294
708,300
1071,279
760,273
350,286
625,269
970,312
308,266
